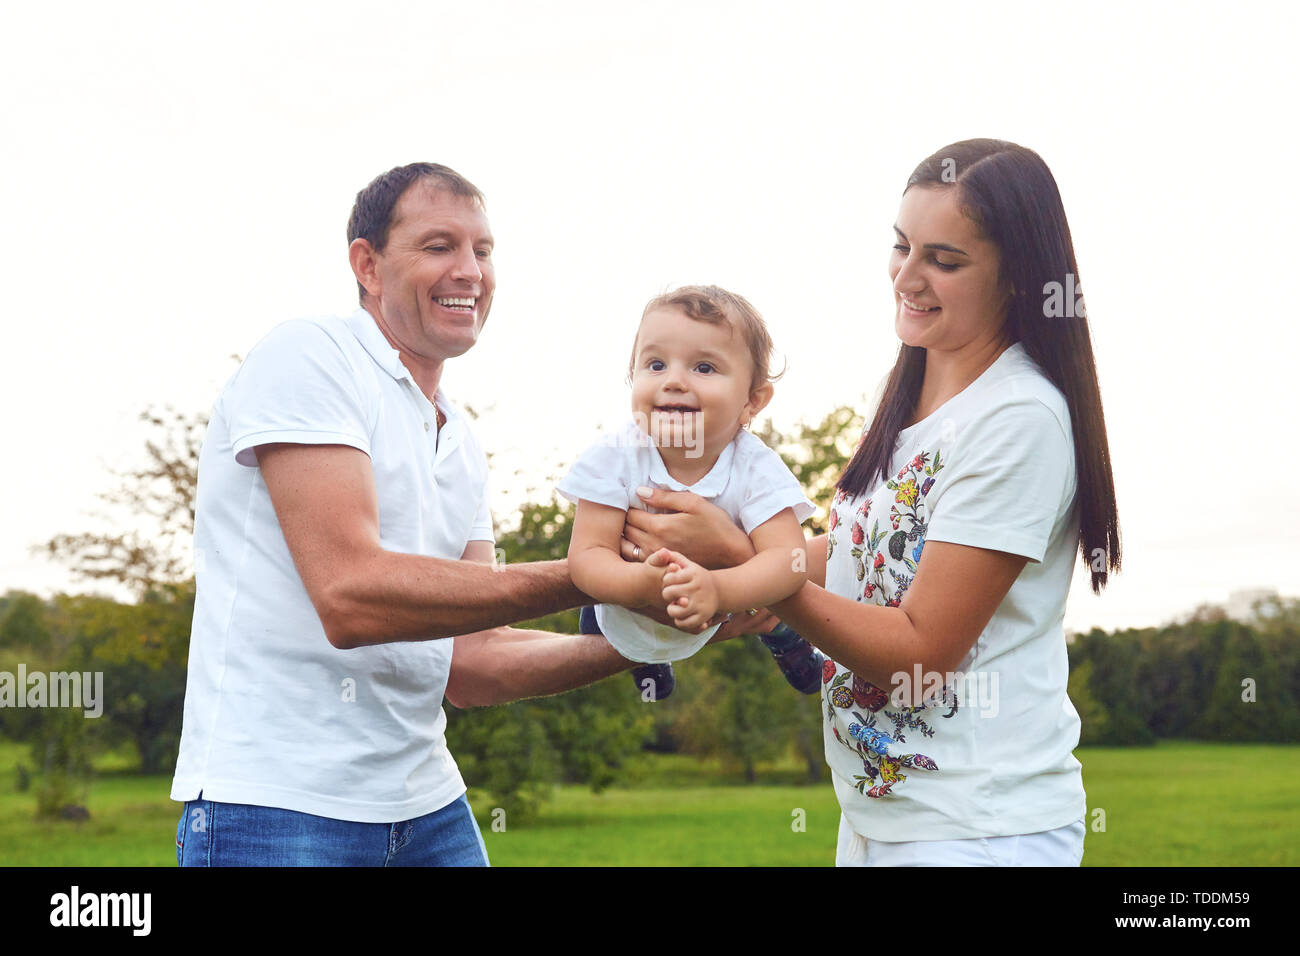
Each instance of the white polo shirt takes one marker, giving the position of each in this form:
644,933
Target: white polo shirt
274,714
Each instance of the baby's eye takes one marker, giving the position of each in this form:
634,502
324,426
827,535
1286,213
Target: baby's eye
655,365
705,368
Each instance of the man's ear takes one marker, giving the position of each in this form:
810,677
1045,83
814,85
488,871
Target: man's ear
758,400
365,263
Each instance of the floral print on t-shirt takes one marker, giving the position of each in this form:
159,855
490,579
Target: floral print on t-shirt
860,714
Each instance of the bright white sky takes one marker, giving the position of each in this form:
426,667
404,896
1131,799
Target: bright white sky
177,180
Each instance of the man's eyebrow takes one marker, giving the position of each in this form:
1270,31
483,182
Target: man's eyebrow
441,232
940,246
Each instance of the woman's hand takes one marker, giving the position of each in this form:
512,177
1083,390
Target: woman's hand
696,528
762,621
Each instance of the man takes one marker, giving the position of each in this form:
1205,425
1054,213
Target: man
343,551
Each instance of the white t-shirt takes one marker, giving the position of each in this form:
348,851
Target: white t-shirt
274,714
991,753
749,482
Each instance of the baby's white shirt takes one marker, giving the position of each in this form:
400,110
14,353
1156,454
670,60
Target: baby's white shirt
749,482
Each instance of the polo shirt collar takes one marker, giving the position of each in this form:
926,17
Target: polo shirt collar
710,486
364,327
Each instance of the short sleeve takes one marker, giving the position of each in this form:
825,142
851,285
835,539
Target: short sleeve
1009,478
770,488
600,475
297,386
483,529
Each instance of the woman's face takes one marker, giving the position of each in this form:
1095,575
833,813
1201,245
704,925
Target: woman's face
946,289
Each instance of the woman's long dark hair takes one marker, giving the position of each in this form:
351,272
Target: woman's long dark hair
1009,193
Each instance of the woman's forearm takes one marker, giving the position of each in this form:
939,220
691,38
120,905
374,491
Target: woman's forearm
876,643
767,577
817,560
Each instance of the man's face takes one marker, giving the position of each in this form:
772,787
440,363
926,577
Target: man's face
433,283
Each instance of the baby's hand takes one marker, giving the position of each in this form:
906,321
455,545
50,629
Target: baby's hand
655,566
690,592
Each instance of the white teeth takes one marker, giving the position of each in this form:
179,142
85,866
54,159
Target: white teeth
450,302
918,308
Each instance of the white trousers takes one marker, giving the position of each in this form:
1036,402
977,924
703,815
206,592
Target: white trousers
1060,847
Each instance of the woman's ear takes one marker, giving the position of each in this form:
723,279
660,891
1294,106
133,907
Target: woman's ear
758,400
1010,295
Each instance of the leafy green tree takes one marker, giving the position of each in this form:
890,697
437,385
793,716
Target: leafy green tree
1169,676
61,740
1277,622
142,651
506,752
23,623
817,455
1250,699
1092,715
738,708
1113,683
62,748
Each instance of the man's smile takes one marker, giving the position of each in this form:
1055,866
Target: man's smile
464,304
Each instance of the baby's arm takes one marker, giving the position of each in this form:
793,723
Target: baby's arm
598,569
694,594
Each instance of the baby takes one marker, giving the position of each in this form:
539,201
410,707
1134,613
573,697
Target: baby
699,375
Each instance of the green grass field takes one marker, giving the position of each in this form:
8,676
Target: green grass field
1178,804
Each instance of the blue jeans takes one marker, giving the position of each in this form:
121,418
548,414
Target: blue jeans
235,834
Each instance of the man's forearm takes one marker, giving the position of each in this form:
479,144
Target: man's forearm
404,597
505,664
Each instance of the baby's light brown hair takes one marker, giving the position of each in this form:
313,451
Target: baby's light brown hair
717,306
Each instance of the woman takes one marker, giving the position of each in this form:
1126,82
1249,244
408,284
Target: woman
940,598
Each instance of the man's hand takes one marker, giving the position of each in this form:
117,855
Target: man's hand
696,528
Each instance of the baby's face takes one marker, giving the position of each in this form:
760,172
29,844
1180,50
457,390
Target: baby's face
691,383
